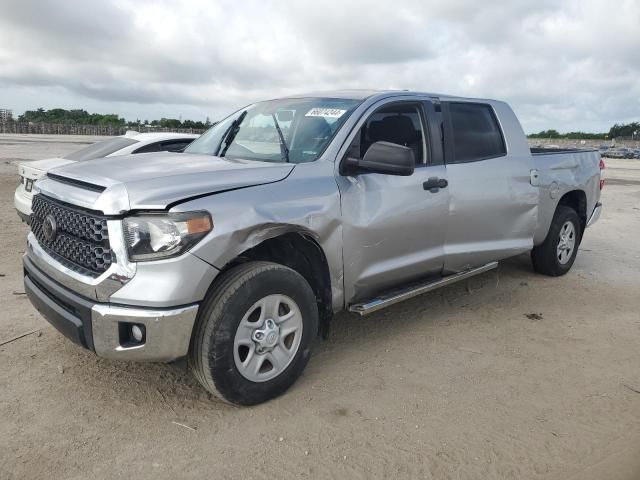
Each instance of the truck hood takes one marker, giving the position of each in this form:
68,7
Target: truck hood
152,181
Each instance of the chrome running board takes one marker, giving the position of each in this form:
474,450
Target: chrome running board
399,295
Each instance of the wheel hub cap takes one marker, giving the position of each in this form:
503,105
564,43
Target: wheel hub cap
566,242
267,338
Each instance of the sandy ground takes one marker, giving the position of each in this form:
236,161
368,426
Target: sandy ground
511,375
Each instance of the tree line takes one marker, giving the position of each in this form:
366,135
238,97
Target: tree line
631,130
82,117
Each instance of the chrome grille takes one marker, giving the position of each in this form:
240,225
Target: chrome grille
81,238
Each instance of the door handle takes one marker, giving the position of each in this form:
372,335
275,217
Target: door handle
434,184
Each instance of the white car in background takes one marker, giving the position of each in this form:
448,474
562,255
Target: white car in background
131,143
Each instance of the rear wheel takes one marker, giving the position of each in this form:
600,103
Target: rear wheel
555,256
254,333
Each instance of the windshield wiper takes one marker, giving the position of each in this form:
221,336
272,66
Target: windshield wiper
231,133
284,150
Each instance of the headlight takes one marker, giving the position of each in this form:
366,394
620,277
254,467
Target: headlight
162,235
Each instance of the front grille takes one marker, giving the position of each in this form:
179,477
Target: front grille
80,237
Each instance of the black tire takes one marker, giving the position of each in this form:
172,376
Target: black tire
211,355
545,256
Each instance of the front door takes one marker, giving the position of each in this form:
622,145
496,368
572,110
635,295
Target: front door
392,225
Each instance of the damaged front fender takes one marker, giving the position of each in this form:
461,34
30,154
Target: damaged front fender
306,203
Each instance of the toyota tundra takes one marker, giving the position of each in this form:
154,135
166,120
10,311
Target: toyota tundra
238,254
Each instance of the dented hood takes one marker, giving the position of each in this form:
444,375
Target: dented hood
155,180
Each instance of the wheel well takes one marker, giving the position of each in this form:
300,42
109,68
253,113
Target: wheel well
301,253
577,200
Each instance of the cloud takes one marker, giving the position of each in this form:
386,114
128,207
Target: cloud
565,64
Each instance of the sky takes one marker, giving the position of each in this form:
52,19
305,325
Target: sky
564,64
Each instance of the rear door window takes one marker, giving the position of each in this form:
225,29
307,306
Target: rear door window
476,133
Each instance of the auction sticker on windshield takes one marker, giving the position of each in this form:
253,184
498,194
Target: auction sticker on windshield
325,112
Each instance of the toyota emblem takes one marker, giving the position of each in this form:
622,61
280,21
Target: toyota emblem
49,228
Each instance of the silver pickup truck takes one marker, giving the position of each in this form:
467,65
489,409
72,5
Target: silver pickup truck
237,252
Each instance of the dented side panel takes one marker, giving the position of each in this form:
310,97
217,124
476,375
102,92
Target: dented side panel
560,173
307,202
392,230
493,211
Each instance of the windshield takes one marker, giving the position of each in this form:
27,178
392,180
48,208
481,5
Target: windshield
296,130
100,149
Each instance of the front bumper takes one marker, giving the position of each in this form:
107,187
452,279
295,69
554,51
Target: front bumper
103,327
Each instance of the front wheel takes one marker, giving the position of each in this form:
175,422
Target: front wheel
254,333
555,256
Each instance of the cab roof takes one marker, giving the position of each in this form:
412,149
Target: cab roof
364,94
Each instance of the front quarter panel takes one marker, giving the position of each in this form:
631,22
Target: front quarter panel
307,202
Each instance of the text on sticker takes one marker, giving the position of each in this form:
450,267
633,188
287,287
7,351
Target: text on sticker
325,112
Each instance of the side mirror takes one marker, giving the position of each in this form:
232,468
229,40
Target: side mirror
383,157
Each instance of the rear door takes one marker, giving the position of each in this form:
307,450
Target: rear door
392,225
492,205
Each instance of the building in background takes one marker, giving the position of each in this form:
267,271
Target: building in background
6,115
